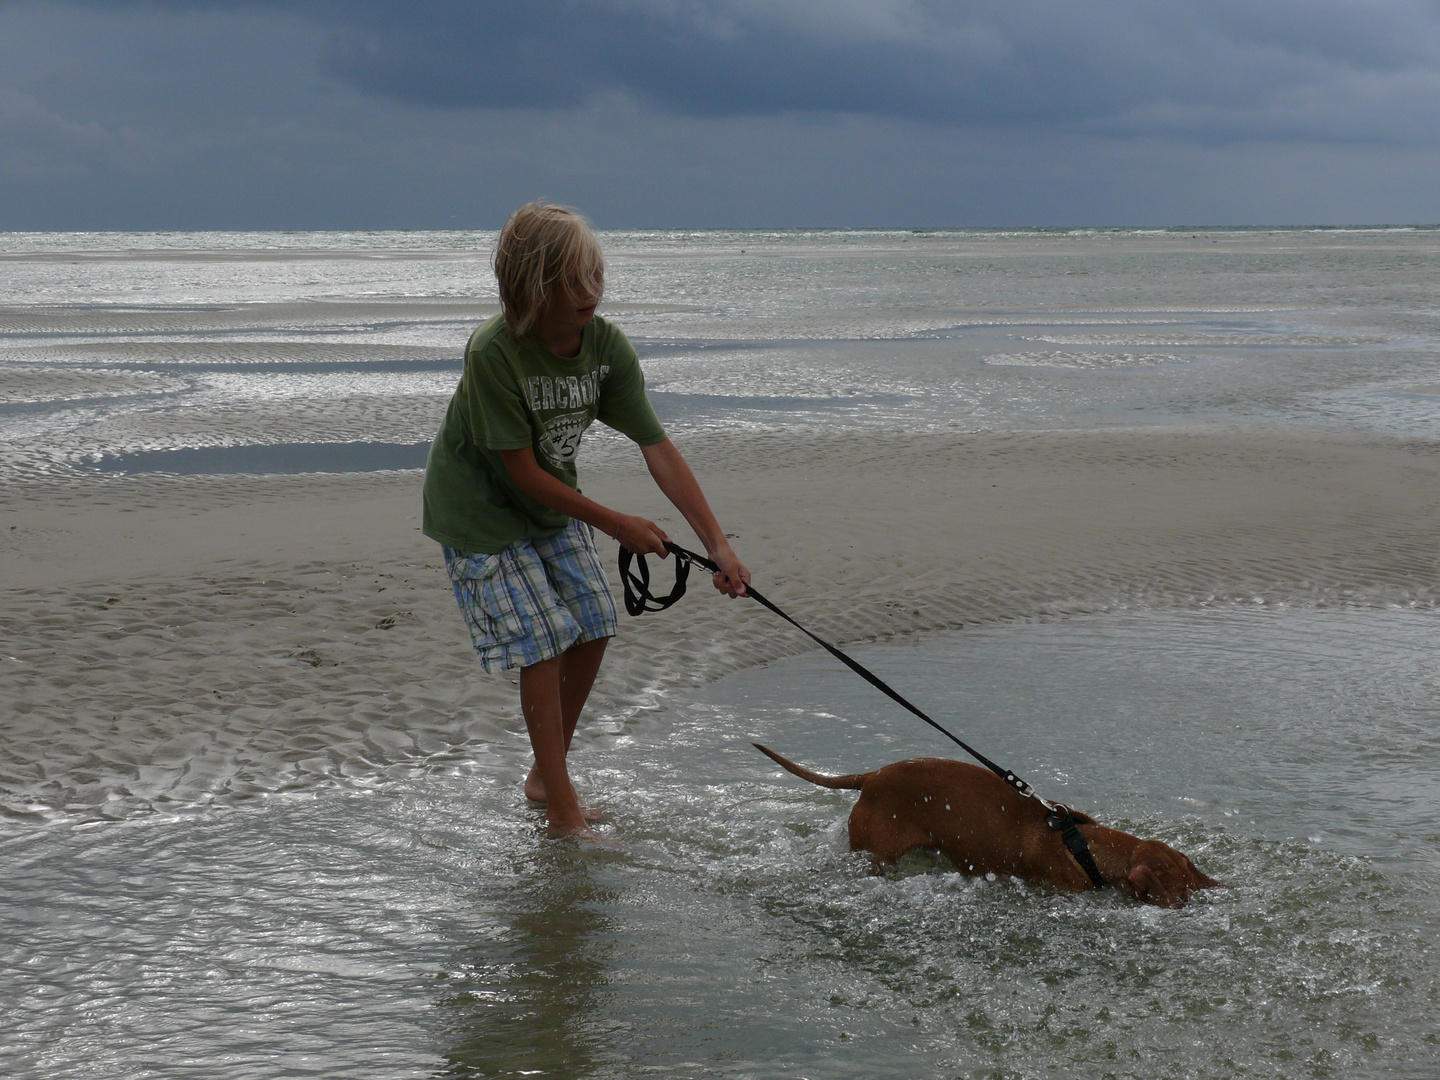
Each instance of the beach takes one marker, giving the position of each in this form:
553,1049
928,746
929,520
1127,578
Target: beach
184,636
1148,516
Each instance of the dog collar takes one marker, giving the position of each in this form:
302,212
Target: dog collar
1062,822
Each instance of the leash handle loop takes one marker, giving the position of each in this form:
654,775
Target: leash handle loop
638,597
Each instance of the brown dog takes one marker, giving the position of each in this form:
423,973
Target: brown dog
983,826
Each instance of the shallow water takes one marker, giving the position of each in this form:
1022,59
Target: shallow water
118,346
276,459
418,925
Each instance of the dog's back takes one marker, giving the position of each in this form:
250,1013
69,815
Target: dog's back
984,826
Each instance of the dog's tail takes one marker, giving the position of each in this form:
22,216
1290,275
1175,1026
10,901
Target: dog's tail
854,781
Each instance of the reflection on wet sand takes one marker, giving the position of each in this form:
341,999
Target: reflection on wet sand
534,995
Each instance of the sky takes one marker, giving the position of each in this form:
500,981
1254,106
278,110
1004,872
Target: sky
441,114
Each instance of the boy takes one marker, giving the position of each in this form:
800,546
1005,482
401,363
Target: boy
501,494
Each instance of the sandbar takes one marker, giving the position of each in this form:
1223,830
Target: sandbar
172,641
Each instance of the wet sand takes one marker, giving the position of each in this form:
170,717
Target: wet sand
173,641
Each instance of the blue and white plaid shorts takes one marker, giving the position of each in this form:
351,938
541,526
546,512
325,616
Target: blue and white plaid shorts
535,599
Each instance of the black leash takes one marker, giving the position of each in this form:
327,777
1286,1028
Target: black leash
639,599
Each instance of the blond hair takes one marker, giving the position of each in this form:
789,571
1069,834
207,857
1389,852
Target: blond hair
543,251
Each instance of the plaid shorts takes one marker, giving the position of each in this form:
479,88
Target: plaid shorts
535,599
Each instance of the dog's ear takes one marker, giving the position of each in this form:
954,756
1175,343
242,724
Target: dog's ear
1147,887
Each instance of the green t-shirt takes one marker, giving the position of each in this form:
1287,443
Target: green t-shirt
515,394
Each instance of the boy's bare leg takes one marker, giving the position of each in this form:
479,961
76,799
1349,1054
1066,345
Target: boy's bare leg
540,702
576,669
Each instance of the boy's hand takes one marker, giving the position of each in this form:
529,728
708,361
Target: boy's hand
640,535
733,576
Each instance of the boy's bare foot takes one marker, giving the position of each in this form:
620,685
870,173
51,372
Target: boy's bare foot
535,792
587,836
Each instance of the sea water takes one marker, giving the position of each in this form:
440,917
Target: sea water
416,923
203,352
424,927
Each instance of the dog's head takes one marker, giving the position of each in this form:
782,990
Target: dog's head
1160,875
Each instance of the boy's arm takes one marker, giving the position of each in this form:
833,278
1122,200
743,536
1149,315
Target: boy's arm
636,533
674,478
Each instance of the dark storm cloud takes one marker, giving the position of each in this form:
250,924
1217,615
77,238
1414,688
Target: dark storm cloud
321,113
1218,70
1208,71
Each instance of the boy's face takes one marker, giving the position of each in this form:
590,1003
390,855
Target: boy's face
573,306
